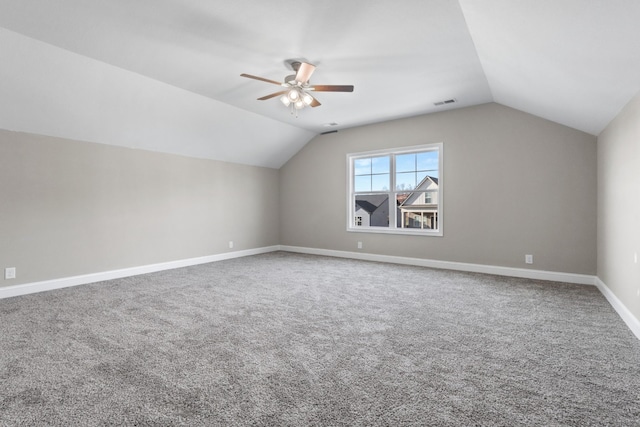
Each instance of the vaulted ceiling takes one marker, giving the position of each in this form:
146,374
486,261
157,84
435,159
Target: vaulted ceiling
164,75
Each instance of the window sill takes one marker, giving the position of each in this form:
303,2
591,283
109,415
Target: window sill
406,232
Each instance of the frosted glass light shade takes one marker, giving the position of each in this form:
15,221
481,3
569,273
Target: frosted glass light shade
293,95
307,98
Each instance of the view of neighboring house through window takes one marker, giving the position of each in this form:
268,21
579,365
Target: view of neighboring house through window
396,191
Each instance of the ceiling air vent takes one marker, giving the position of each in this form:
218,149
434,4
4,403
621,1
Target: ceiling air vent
445,102
329,125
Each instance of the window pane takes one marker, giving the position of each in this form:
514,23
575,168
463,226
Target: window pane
431,197
362,183
412,220
418,209
380,182
420,176
371,210
405,191
405,181
405,162
428,161
418,218
401,197
380,164
362,166
418,199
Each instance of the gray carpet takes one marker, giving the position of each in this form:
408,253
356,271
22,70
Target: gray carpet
294,340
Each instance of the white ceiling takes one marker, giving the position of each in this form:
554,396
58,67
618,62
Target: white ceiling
164,75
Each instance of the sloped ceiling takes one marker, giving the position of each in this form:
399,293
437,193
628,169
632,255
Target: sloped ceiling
164,75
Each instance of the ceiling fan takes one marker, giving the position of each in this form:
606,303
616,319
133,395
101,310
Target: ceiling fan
296,93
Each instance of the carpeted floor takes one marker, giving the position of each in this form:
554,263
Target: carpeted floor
294,340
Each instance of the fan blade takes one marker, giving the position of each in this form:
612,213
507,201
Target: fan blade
315,103
304,72
331,88
262,79
272,95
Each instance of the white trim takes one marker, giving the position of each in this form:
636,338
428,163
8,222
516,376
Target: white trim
632,322
581,279
393,220
47,285
404,231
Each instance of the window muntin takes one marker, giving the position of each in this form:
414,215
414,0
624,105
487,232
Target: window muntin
396,191
413,168
372,174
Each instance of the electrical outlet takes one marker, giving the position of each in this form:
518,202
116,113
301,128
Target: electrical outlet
528,259
10,273
359,245
230,244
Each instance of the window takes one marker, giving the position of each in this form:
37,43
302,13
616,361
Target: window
396,191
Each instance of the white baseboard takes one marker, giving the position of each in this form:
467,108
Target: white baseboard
47,285
581,279
632,322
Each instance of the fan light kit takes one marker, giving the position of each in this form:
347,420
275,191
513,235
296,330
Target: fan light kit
297,96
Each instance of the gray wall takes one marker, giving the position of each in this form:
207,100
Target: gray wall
514,184
71,208
619,206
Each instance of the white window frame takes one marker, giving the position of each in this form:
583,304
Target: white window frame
393,228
